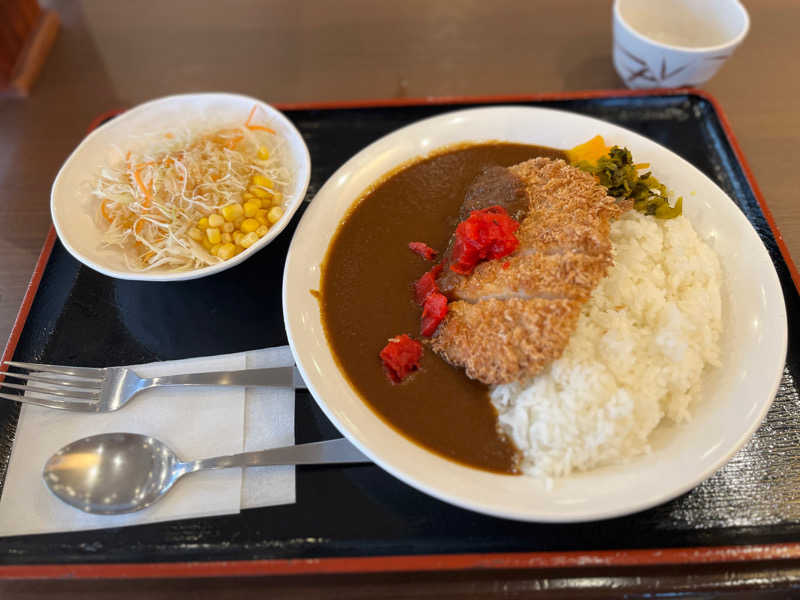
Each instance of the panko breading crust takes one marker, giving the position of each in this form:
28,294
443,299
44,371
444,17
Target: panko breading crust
514,315
549,276
497,340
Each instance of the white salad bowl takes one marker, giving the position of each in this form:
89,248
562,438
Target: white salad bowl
73,209
737,394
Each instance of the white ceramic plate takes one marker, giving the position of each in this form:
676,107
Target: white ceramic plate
72,209
738,393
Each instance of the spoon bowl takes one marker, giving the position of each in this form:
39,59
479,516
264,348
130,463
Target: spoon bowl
117,473
112,473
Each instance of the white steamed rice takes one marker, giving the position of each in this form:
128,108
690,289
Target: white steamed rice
637,355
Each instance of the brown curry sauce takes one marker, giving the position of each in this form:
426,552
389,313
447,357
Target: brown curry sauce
366,297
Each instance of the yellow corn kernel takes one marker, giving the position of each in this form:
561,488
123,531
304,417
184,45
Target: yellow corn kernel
261,216
259,179
238,222
262,230
248,240
277,197
227,238
237,237
259,192
202,223
215,220
251,208
231,212
226,251
215,249
274,214
263,153
206,244
213,235
248,196
196,234
248,225
228,227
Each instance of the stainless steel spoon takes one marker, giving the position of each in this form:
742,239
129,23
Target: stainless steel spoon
116,473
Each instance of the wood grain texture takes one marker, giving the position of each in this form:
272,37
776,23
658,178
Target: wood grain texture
112,54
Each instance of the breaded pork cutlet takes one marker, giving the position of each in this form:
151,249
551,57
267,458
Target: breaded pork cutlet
513,316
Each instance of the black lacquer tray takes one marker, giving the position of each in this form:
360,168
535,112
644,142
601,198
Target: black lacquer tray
359,518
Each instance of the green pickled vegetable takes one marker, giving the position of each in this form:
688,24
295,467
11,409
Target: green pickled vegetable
617,172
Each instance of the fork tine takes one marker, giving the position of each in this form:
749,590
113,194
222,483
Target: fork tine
78,383
86,372
74,394
57,404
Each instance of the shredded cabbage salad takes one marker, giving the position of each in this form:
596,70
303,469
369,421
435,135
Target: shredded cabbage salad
150,202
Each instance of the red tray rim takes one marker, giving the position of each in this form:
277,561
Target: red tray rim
426,562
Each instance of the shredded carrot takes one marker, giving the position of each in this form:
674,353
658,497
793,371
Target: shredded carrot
152,197
136,173
104,211
250,116
256,127
227,137
641,166
231,143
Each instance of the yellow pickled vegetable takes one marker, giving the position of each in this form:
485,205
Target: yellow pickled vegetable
590,151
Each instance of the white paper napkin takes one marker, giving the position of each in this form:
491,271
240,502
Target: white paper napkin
268,423
195,422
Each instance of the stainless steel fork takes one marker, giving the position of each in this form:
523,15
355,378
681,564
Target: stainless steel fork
87,389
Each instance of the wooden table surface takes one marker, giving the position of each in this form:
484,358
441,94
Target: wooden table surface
117,54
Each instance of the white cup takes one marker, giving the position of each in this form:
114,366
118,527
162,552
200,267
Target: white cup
675,43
